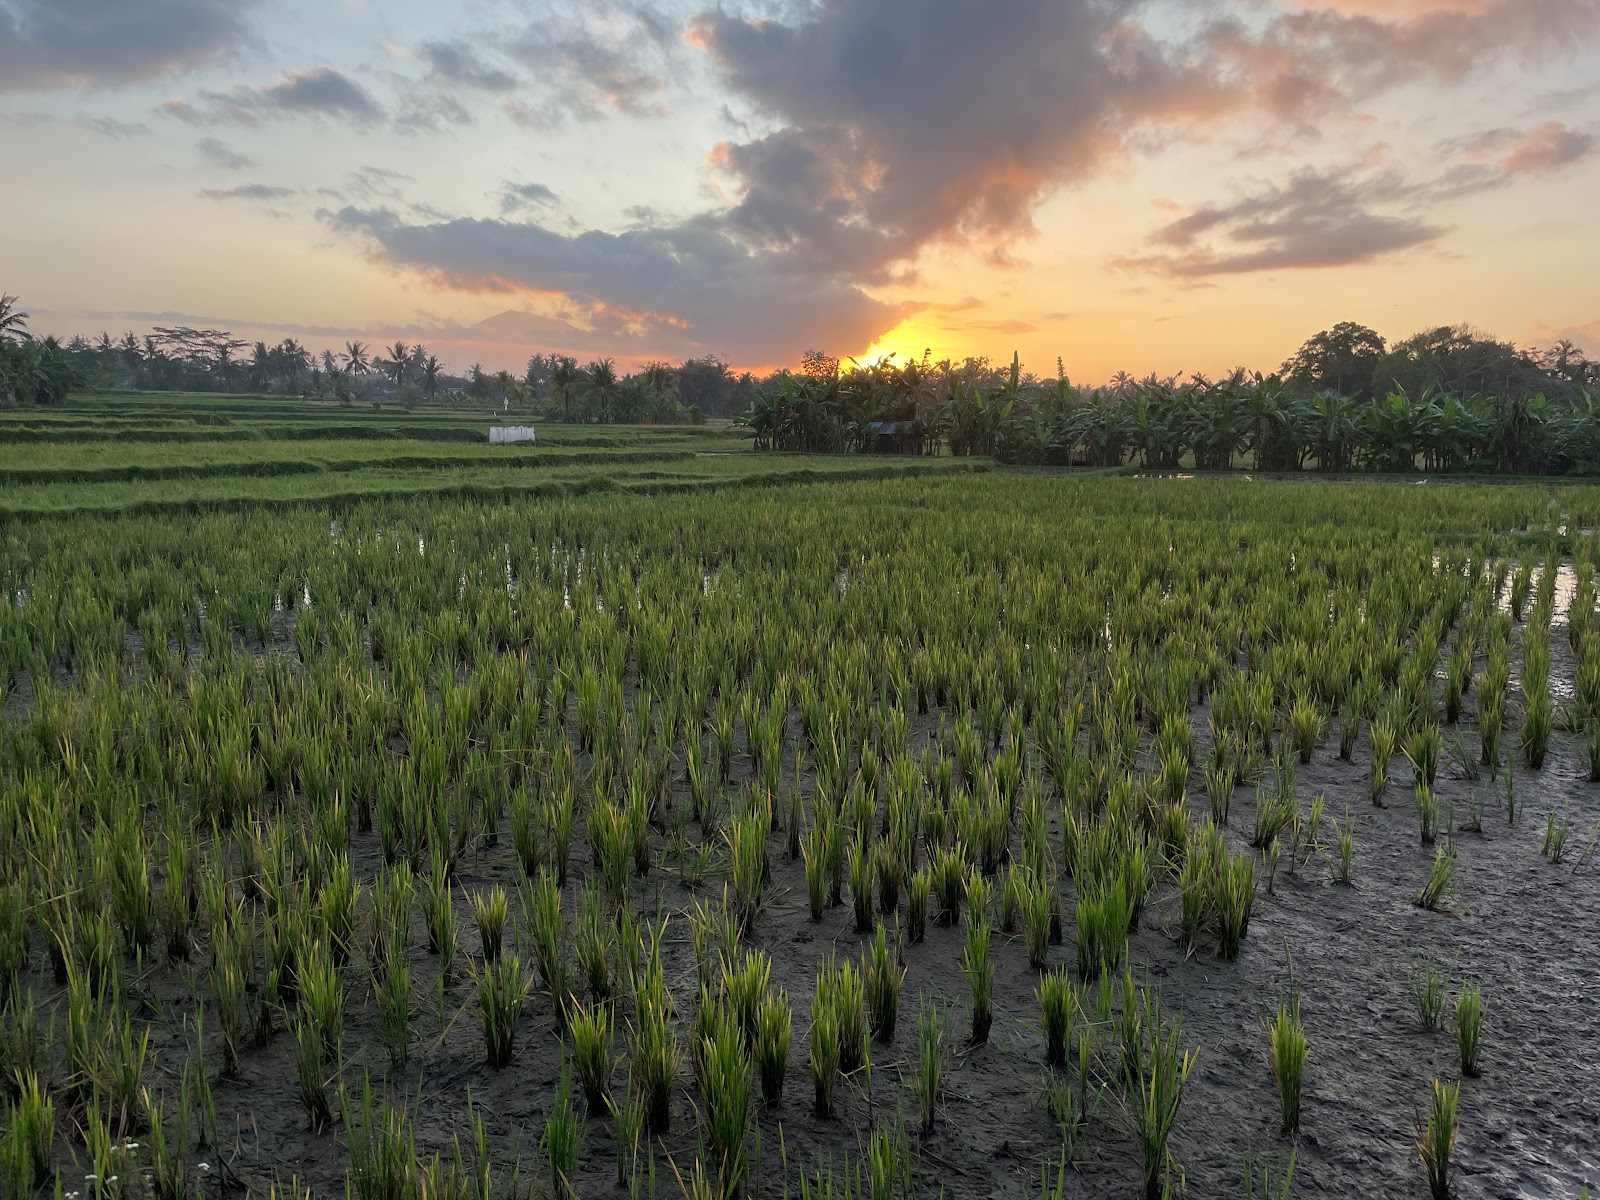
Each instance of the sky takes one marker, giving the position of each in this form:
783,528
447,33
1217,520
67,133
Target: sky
1140,185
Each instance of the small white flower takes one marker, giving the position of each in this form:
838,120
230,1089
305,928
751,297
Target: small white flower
91,1177
205,1166
110,1181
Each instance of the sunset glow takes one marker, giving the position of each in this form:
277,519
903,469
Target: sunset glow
1154,186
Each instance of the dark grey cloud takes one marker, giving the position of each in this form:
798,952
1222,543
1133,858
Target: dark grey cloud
316,92
1317,219
458,64
1545,147
690,288
220,154
248,191
515,197
69,43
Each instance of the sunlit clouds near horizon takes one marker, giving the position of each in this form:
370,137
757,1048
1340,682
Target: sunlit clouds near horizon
1186,185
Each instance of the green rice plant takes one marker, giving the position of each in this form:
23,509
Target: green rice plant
169,1152
1220,777
1104,915
861,885
627,1123
825,1041
1439,877
726,1099
774,1023
1537,722
1469,1027
815,852
1345,849
1383,743
1491,720
503,987
1286,1059
745,988
951,877
524,831
1156,1106
440,912
1557,831
1195,886
1305,724
1059,1009
848,988
653,1041
383,1150
1274,814
542,904
975,965
917,894
1039,901
1428,990
883,979
930,1061
1427,812
1263,1181
1234,900
1436,1137
313,1072
563,1137
30,1135
589,1029
391,987
592,943
558,806
747,850
1423,751
489,915
889,868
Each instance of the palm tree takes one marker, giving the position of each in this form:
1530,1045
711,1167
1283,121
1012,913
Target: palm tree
602,375
13,323
430,377
355,357
399,359
562,378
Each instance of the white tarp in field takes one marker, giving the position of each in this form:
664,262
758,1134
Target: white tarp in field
501,435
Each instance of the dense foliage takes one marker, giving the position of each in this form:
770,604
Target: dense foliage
32,370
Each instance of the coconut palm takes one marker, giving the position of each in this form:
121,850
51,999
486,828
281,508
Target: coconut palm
13,322
355,358
430,376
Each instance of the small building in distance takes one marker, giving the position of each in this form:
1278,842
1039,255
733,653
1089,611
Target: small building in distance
896,437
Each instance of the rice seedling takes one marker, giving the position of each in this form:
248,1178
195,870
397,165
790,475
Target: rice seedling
1104,915
440,912
930,1061
29,1137
726,1099
1557,831
589,1029
774,1021
592,943
1305,726
1345,849
391,987
1439,879
1274,814
861,885
489,915
1469,1027
825,1041
745,988
1286,1059
1423,751
1538,720
548,928
563,1137
1156,1105
975,965
1427,812
1059,1008
383,1151
848,989
1234,900
1039,902
815,852
627,1123
1436,1137
1263,1181
883,979
653,1041
503,988
1382,735
313,1072
1428,990
558,807
917,894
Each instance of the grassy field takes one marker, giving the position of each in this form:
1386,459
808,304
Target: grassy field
697,823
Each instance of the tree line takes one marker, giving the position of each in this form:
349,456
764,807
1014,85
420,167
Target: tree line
1448,399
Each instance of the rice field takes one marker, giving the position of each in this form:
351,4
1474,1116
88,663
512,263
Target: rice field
723,825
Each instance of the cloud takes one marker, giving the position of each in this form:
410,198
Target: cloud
221,154
1545,147
592,60
683,289
458,64
517,196
1318,219
71,43
248,191
317,92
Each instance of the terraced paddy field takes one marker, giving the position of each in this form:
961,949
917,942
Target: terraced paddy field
636,813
